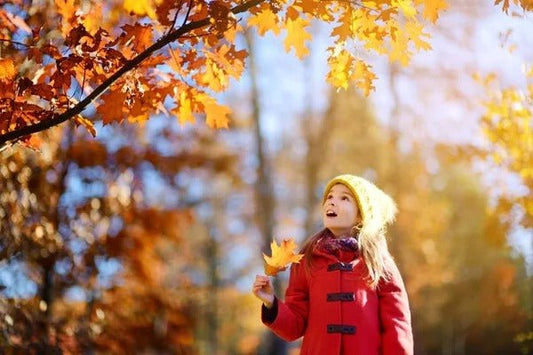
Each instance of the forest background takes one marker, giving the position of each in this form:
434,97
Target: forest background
146,238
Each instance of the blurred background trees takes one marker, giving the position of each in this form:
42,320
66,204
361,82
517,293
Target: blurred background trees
146,240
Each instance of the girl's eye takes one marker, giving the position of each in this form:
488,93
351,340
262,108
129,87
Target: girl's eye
345,198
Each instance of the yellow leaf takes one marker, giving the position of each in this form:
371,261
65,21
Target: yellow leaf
400,49
184,111
7,69
282,256
363,77
141,7
340,67
432,8
265,21
415,33
216,115
79,119
296,36
406,6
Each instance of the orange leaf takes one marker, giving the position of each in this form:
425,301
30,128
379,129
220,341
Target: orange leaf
7,69
111,109
67,10
282,256
139,35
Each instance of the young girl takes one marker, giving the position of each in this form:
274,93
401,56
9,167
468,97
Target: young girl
346,296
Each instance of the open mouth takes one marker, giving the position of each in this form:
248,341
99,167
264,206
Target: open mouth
331,214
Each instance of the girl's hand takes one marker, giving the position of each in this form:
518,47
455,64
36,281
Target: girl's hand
263,290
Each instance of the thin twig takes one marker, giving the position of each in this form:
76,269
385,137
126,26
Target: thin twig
15,42
188,13
178,9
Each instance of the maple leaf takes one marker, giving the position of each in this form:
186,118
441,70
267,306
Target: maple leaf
282,256
7,69
265,21
296,36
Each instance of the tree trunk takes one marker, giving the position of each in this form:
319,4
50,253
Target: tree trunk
264,195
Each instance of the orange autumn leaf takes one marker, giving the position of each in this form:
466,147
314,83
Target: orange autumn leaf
111,108
140,36
7,69
282,256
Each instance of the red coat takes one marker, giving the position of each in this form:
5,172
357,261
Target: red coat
337,313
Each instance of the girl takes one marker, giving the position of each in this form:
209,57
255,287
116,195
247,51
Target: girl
347,295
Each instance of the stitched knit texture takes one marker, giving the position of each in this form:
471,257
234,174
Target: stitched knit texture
334,246
377,209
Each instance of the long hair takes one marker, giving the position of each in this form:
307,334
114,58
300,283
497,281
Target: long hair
380,211
373,250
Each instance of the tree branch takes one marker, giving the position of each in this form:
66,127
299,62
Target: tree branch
131,64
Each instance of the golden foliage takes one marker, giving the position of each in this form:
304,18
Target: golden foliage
508,126
281,256
197,39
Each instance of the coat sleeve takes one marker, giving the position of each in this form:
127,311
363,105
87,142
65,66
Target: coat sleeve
394,313
290,321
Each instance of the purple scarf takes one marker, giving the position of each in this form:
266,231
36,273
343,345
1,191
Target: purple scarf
332,245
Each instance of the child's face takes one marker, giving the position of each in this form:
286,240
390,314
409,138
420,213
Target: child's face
340,212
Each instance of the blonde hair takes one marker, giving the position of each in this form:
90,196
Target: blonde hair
377,210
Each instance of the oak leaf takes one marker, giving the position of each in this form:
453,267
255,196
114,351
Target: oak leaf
296,36
265,21
216,115
111,108
432,8
282,256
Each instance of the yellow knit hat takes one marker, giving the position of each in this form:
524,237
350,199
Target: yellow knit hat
377,209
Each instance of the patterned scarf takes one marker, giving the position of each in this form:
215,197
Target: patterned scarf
332,245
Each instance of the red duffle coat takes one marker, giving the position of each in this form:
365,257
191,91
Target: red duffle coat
336,312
